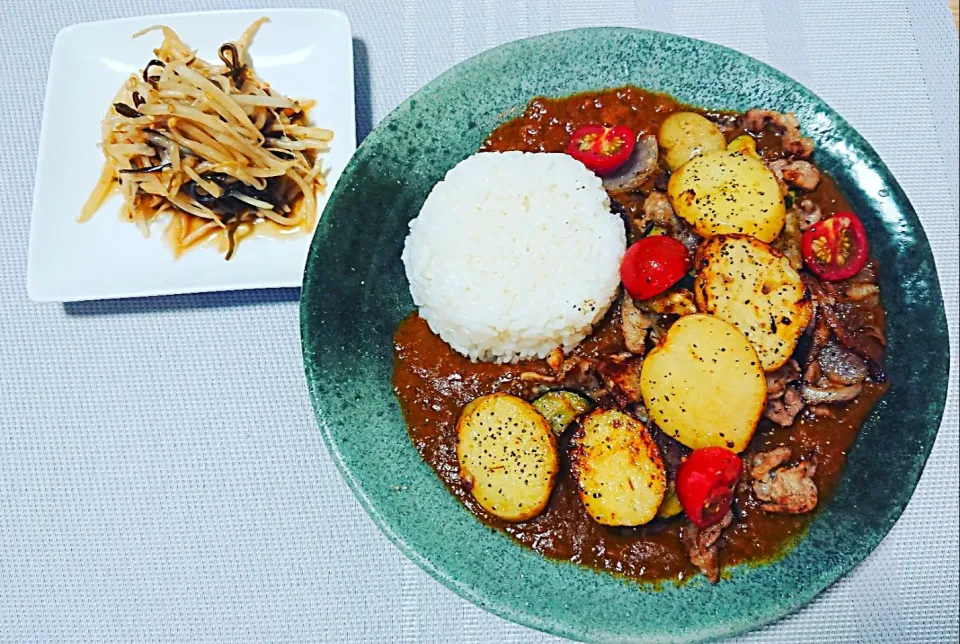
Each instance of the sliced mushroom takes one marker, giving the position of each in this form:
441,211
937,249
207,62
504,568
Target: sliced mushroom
637,169
829,395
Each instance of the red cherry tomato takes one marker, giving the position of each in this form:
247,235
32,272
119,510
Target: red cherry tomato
835,248
705,484
653,265
602,149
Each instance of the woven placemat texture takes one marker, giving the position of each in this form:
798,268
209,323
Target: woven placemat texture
161,475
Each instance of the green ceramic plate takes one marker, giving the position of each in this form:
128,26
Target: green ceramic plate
355,293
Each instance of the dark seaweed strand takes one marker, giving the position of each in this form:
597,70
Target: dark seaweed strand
238,71
231,238
152,168
125,110
146,71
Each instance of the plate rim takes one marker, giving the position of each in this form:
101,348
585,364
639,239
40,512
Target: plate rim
498,606
36,287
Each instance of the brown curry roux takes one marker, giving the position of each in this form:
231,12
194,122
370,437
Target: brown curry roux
433,383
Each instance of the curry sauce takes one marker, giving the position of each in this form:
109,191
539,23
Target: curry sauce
433,383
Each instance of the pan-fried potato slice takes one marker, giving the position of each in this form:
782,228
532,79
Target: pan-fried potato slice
618,469
684,135
508,456
728,192
754,287
703,385
745,144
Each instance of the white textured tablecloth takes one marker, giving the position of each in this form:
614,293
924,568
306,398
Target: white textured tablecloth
157,485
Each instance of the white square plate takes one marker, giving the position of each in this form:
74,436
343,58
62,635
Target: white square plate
303,53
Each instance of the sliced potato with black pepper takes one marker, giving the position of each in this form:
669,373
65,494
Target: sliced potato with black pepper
744,144
703,384
754,287
684,135
728,192
508,456
618,469
561,407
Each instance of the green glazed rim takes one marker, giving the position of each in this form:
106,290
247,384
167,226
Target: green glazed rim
355,293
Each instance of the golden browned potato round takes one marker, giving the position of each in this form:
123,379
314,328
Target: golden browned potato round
745,144
754,287
728,192
684,135
703,385
508,456
618,469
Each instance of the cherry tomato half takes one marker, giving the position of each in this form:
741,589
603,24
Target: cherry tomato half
653,265
835,248
602,149
705,484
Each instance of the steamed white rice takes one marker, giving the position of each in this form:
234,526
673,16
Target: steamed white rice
514,254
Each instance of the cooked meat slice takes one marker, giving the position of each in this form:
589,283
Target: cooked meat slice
860,291
794,143
867,341
824,295
661,180
658,212
623,356
672,302
798,173
580,373
622,379
672,451
636,325
841,366
776,167
809,214
817,395
788,242
783,411
802,174
784,401
555,359
780,488
763,463
821,411
816,288
757,119
820,335
778,379
799,218
533,376
702,546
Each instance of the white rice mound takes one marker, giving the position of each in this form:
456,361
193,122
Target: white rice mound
514,254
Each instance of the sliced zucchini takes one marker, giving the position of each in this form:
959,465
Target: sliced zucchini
507,455
561,407
618,469
671,503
